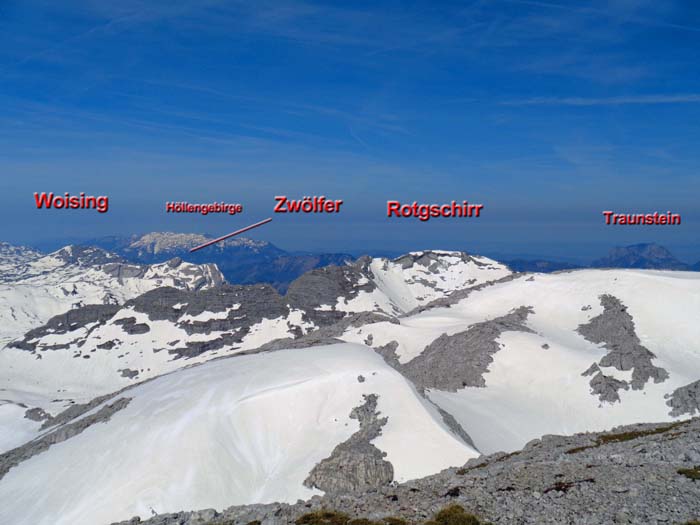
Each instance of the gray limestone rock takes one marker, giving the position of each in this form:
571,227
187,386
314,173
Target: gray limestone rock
131,327
685,400
128,373
625,475
324,286
459,295
87,256
614,328
591,370
452,362
607,387
37,414
454,426
67,322
74,411
355,464
388,352
124,271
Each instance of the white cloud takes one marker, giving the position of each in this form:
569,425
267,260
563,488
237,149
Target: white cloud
688,98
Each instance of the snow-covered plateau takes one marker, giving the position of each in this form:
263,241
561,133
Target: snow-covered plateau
137,390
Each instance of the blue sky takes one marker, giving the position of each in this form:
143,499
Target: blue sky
546,112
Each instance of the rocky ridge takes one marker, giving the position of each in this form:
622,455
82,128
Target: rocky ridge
32,290
241,260
638,474
452,362
234,318
13,256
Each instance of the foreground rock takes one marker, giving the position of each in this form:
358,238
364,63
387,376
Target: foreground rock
641,474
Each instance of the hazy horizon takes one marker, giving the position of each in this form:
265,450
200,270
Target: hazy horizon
547,113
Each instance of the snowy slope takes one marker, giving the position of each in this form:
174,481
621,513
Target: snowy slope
239,430
534,385
509,357
161,331
84,368
397,286
418,278
12,257
35,290
15,429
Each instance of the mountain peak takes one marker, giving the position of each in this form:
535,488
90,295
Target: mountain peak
11,252
645,248
85,255
165,242
643,256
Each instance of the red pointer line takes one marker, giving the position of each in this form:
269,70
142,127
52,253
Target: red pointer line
237,232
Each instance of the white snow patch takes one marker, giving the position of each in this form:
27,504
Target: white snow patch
234,431
209,316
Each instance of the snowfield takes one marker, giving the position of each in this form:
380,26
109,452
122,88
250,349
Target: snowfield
82,368
33,292
531,390
239,430
418,278
11,257
52,379
35,288
508,358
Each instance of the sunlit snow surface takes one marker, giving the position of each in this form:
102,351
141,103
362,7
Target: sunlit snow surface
400,290
239,430
53,372
249,429
530,390
47,286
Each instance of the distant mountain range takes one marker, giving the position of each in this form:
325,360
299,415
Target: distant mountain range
647,256
247,261
540,265
643,256
241,260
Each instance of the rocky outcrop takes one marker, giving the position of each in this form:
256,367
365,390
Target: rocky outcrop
70,321
37,414
605,387
355,464
459,295
452,362
614,328
685,400
229,312
324,286
86,256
